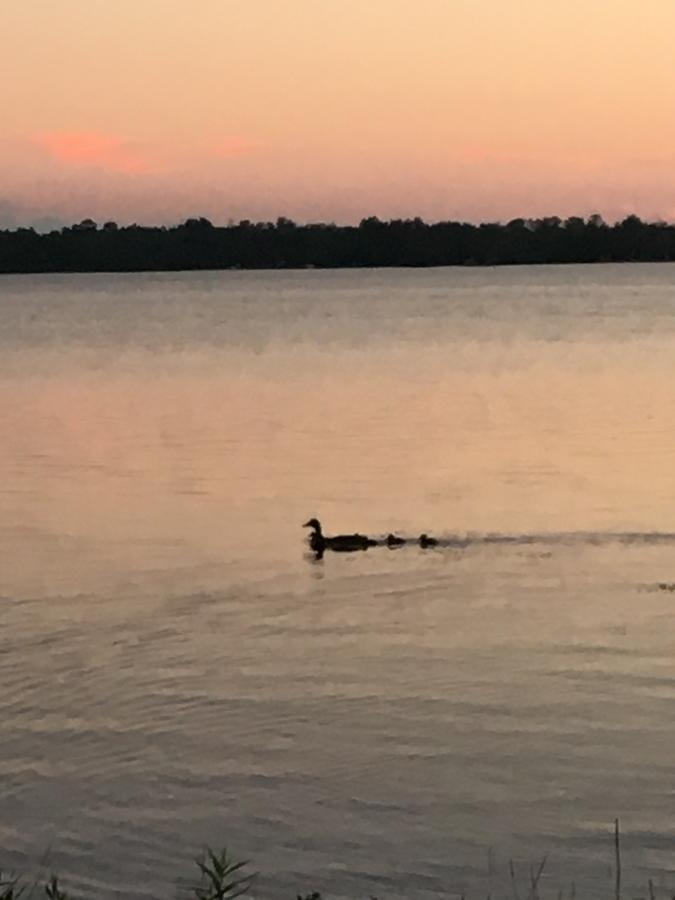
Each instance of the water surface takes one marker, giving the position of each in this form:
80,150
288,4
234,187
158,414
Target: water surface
176,671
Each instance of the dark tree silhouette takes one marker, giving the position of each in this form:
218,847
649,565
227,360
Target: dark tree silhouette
198,244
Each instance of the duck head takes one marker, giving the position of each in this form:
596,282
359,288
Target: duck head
313,523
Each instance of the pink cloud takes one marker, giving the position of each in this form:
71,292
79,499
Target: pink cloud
90,148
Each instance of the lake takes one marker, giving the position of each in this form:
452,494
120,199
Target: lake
177,671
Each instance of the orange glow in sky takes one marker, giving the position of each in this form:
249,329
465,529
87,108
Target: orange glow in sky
91,149
155,110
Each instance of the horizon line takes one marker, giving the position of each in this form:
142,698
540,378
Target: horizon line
529,222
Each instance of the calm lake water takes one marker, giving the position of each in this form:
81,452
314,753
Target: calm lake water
177,672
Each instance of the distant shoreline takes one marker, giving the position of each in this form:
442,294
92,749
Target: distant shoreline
197,245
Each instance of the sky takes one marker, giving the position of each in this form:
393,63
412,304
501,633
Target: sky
331,110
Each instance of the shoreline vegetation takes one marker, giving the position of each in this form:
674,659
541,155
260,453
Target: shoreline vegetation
197,244
221,877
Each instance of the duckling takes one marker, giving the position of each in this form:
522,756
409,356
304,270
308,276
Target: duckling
340,543
426,541
392,541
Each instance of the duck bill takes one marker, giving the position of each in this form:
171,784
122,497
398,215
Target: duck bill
307,525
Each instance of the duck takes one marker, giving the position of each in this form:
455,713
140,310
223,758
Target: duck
426,541
392,540
341,543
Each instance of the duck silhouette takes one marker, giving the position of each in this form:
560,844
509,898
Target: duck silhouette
340,543
426,541
392,540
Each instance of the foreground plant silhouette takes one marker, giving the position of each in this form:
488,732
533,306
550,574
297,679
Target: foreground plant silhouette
10,887
222,878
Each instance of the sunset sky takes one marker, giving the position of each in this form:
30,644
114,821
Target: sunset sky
156,110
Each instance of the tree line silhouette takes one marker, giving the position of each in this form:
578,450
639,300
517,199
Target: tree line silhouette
197,244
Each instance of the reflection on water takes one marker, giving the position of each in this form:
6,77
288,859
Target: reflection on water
175,671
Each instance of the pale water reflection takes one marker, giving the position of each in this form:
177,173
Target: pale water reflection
175,671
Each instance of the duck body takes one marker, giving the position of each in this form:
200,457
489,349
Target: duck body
393,541
339,543
426,541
